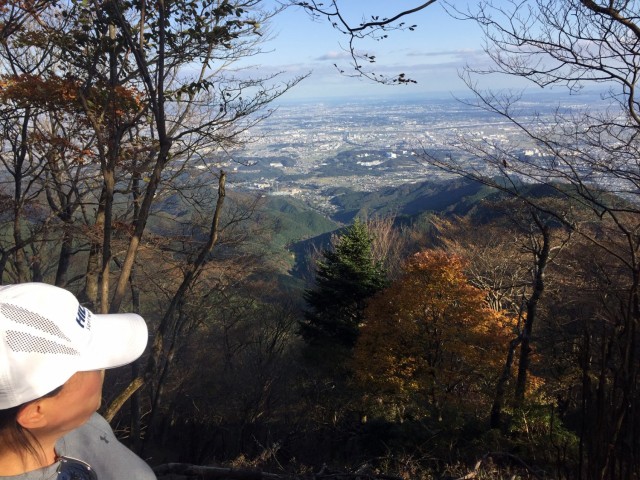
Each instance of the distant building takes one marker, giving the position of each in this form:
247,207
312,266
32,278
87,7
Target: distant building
292,192
374,163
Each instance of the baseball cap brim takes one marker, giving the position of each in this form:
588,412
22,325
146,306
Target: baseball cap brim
116,340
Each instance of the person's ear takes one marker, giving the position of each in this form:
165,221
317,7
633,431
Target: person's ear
31,416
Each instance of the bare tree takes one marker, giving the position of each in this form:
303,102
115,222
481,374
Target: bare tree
586,156
138,94
509,259
389,245
45,153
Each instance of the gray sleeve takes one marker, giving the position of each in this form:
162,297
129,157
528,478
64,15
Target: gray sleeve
95,443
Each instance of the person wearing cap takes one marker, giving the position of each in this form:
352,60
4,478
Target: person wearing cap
53,353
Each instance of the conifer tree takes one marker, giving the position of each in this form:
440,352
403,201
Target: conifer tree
346,276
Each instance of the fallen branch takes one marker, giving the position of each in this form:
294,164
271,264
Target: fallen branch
240,474
214,472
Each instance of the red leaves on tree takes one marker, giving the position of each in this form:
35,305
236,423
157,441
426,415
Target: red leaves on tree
431,338
67,94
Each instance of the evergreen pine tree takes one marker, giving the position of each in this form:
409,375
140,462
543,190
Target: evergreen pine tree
345,278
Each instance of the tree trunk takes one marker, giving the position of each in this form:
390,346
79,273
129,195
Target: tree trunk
163,347
92,281
498,400
532,309
64,259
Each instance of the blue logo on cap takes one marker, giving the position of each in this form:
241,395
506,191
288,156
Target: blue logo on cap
81,317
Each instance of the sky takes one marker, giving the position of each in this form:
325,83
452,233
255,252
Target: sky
433,54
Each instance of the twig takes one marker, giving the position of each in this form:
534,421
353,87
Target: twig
240,474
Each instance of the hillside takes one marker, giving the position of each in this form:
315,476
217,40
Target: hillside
293,221
409,201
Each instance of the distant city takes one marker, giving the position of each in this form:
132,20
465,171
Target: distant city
308,150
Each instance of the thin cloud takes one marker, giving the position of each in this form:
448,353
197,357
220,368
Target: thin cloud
459,52
332,56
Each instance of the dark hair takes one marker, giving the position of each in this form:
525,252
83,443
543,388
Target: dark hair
17,438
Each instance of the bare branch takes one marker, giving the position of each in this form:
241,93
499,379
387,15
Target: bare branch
376,28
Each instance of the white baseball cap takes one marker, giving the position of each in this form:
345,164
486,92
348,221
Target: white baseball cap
46,336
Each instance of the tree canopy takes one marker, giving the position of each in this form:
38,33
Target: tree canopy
347,275
429,340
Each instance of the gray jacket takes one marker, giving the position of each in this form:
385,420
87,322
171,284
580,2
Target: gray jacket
95,444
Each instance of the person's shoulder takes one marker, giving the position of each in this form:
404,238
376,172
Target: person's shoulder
97,422
95,443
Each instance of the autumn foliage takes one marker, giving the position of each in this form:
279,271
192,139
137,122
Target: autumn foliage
68,94
430,340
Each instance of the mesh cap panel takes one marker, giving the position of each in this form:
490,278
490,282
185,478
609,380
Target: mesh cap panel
25,342
21,315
